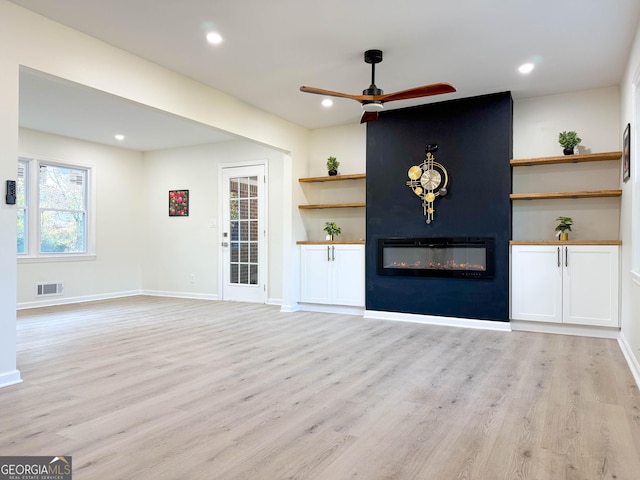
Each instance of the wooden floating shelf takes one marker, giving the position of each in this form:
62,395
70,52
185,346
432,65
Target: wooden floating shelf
352,176
552,195
330,242
565,242
332,205
586,157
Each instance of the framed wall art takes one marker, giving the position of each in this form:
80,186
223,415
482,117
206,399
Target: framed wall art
626,153
178,203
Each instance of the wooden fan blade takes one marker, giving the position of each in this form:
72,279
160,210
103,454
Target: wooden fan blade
330,93
368,117
417,92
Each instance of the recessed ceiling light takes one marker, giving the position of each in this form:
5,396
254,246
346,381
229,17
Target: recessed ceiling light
214,38
327,102
525,68
119,137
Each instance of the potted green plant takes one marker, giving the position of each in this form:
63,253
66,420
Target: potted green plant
332,230
564,227
332,166
569,141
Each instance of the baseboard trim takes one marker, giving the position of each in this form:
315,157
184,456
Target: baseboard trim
9,378
290,308
565,329
339,309
50,302
437,320
631,359
193,296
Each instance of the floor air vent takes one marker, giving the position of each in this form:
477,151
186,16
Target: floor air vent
49,289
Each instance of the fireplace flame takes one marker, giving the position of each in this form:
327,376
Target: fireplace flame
449,265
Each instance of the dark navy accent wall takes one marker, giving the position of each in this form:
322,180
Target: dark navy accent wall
474,138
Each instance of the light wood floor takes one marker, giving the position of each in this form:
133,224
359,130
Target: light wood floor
153,388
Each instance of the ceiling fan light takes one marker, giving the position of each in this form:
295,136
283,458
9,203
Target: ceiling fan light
372,107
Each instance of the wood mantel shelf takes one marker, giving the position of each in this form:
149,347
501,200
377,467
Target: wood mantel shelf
332,205
552,195
565,242
330,242
351,176
585,157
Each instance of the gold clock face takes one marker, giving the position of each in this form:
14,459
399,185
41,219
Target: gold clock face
430,179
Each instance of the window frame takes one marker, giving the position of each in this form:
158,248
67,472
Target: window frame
33,212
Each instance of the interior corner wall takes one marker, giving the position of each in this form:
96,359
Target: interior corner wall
115,271
180,255
8,234
630,213
474,144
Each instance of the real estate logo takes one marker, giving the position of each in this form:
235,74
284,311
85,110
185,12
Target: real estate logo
35,468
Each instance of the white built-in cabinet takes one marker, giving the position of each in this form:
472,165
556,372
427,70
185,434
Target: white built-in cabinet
332,274
565,283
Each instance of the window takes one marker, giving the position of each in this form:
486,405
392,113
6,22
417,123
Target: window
59,224
21,204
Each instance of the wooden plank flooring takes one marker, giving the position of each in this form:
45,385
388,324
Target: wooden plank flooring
156,388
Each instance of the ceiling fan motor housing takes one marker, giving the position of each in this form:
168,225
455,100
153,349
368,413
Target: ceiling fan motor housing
373,56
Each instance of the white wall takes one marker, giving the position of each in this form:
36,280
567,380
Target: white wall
630,215
118,208
594,114
8,170
348,143
177,247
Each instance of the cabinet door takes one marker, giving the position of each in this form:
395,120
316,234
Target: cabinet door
590,285
316,269
348,274
536,283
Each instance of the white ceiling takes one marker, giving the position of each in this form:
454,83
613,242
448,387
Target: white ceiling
54,105
271,48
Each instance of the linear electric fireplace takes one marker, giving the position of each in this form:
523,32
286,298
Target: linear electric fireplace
468,257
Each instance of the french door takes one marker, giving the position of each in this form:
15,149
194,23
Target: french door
243,234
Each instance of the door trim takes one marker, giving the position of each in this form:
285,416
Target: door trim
264,265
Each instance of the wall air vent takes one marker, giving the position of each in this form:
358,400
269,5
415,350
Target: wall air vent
44,289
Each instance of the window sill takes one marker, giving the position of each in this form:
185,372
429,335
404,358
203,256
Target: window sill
81,257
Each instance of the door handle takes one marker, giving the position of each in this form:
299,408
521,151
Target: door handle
225,244
558,257
328,257
566,256
333,253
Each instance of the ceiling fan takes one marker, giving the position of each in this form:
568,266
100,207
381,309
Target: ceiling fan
373,99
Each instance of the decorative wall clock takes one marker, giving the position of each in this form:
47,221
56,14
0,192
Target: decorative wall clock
429,181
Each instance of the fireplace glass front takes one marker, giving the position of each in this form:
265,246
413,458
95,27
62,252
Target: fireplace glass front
436,257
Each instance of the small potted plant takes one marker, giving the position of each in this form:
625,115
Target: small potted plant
332,230
564,227
332,166
569,141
